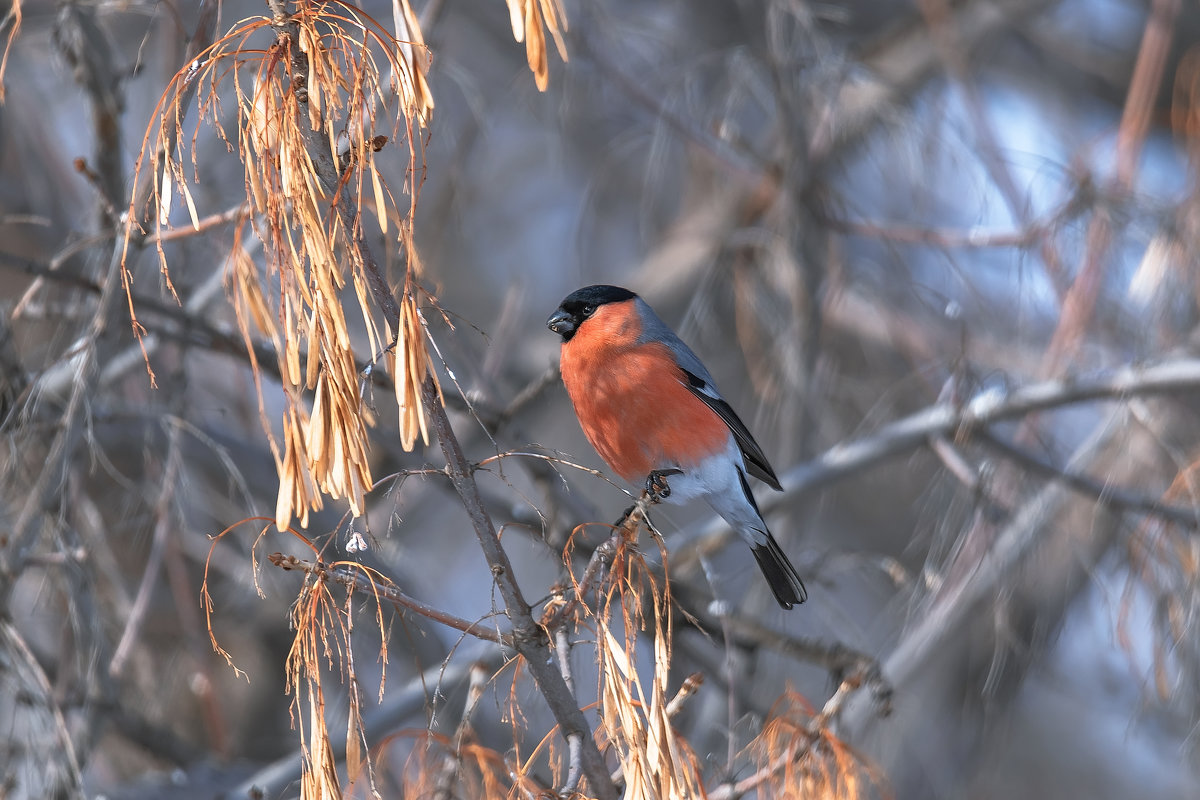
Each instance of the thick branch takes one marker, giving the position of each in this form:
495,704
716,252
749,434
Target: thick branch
950,419
901,436
528,637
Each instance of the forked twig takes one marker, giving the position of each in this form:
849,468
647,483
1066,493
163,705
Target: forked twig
354,577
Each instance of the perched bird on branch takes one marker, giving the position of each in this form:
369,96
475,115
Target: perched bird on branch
652,411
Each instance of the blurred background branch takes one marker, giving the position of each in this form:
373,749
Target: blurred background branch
939,255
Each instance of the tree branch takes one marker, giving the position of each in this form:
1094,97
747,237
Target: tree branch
528,637
901,436
356,578
951,419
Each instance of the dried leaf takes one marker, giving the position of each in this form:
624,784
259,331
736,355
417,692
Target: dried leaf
191,205
265,123
416,96
166,197
353,739
380,205
552,11
530,19
535,45
310,241
297,493
516,16
14,13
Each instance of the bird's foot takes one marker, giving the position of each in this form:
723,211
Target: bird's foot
657,486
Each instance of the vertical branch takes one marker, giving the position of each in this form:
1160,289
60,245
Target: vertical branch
86,48
562,647
1148,71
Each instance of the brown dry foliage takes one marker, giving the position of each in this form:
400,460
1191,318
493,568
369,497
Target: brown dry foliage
12,20
531,21
330,87
635,717
800,757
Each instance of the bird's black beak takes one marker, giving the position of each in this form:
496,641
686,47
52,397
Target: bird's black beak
562,323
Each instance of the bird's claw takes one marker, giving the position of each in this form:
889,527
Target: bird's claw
657,486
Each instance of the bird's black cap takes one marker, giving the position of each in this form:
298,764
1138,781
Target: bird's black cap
581,304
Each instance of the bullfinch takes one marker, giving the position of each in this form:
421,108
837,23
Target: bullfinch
653,413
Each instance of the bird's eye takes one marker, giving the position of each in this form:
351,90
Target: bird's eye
588,310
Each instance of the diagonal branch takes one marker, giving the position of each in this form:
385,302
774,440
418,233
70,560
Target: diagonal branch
358,578
528,637
1080,303
1179,375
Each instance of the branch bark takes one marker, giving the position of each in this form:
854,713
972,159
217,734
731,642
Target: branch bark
1178,375
528,637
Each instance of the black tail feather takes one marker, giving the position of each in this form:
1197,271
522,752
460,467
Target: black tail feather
780,574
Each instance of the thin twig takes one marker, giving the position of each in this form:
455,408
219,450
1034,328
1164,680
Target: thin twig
202,225
1031,232
1080,302
163,524
1099,490
356,578
593,575
531,392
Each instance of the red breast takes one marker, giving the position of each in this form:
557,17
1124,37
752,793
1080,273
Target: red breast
631,399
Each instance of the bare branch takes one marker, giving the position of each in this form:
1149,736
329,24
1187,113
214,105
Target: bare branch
1101,491
350,577
1168,377
529,638
1080,301
163,525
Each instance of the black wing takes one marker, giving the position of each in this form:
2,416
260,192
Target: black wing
756,460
